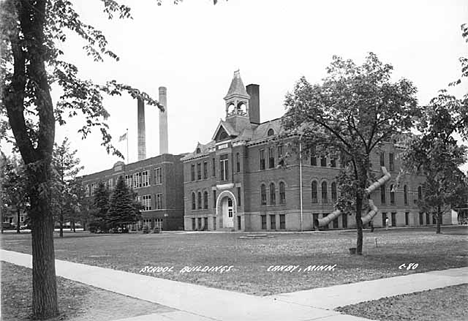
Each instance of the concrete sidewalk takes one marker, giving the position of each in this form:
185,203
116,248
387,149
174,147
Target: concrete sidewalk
199,303
195,302
347,294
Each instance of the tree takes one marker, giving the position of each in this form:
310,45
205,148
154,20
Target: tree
14,188
100,208
123,209
32,62
353,112
66,167
437,153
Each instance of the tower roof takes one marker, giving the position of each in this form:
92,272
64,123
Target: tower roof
237,88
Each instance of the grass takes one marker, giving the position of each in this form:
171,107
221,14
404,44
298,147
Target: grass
77,301
449,303
251,258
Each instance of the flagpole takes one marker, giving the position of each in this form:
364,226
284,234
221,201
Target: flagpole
127,147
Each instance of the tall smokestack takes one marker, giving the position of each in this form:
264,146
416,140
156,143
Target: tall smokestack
141,130
163,135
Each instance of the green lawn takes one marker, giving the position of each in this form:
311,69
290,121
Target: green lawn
251,258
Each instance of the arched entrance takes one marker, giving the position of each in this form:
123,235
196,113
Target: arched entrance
226,209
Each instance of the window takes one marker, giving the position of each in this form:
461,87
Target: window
158,176
280,155
323,161
224,168
271,132
405,194
128,180
262,159
382,159
213,164
421,218
282,221
419,193
192,172
214,199
146,202
272,194
334,193
86,187
146,177
199,171
324,192
393,219
313,158
194,226
159,201
392,194
427,219
333,162
238,165
271,157
199,201
406,218
205,170
273,222
335,223
110,183
205,200
136,180
314,192
391,161
384,219
344,220
194,206
264,225
382,194
239,196
263,194
282,193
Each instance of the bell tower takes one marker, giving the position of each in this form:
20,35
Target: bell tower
237,98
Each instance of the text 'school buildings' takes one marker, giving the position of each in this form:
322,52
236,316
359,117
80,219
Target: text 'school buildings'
158,182
236,181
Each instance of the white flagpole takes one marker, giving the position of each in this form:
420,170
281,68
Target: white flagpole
127,147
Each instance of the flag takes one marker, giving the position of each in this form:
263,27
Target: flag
123,137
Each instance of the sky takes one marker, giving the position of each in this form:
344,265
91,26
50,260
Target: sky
193,49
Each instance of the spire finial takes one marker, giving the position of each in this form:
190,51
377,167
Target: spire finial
237,73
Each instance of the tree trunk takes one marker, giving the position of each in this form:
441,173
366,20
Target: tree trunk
61,222
18,220
359,223
438,219
42,221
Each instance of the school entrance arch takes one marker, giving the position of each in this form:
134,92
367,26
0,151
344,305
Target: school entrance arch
226,206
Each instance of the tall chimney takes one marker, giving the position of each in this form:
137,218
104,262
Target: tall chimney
254,103
163,134
141,130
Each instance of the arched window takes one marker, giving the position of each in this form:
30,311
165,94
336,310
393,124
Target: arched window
314,192
272,194
199,201
205,200
198,150
324,192
405,194
334,193
271,132
282,193
392,194
263,194
382,194
194,206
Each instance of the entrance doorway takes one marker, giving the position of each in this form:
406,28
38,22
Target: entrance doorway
227,211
